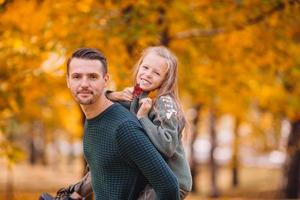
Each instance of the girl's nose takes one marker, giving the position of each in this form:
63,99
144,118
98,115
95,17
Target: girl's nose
148,74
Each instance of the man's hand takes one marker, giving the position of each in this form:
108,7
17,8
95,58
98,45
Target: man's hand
75,195
62,194
146,105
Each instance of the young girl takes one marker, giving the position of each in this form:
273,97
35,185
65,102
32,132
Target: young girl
162,118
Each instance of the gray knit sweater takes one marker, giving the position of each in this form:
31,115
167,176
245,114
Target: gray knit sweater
164,128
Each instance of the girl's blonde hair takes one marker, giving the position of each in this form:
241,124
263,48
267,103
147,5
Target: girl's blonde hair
169,86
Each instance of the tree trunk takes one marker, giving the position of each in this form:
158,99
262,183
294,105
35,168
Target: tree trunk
291,189
194,132
164,36
32,152
235,156
37,141
213,164
130,44
9,183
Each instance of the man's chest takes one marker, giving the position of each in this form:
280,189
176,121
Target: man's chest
100,148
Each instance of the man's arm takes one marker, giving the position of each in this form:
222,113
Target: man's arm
84,186
135,147
81,189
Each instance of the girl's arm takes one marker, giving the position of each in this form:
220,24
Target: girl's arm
164,127
122,97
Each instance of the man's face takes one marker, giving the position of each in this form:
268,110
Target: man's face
86,80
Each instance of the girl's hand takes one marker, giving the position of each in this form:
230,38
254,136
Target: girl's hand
146,105
125,95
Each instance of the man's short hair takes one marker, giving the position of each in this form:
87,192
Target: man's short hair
88,54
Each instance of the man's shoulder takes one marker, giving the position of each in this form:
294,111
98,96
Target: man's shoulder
123,116
123,112
119,111
130,123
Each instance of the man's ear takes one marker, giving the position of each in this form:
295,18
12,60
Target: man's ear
106,79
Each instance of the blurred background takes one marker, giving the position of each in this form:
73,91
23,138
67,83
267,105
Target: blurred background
239,72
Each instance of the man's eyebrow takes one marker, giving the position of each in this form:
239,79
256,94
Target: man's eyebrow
97,74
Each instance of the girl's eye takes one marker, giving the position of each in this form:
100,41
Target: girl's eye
158,74
145,67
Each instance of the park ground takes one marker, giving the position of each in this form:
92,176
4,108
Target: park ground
30,181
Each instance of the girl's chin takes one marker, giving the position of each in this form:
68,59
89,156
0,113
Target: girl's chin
146,89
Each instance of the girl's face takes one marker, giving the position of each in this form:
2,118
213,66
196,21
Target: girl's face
152,72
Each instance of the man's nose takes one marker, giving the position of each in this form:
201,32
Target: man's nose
84,82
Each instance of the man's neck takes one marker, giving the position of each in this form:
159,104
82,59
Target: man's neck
93,110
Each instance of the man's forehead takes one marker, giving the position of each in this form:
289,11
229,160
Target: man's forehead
85,61
79,65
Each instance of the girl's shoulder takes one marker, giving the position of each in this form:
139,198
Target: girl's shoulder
165,101
166,106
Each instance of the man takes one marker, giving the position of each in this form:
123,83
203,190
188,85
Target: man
120,156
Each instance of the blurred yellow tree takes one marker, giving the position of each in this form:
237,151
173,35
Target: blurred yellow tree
236,57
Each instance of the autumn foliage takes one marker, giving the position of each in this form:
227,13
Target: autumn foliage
235,57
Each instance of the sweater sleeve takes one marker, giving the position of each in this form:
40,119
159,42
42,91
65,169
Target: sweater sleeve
125,104
136,149
163,130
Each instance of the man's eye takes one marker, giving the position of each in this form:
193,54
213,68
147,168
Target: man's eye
93,77
76,77
145,67
158,74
